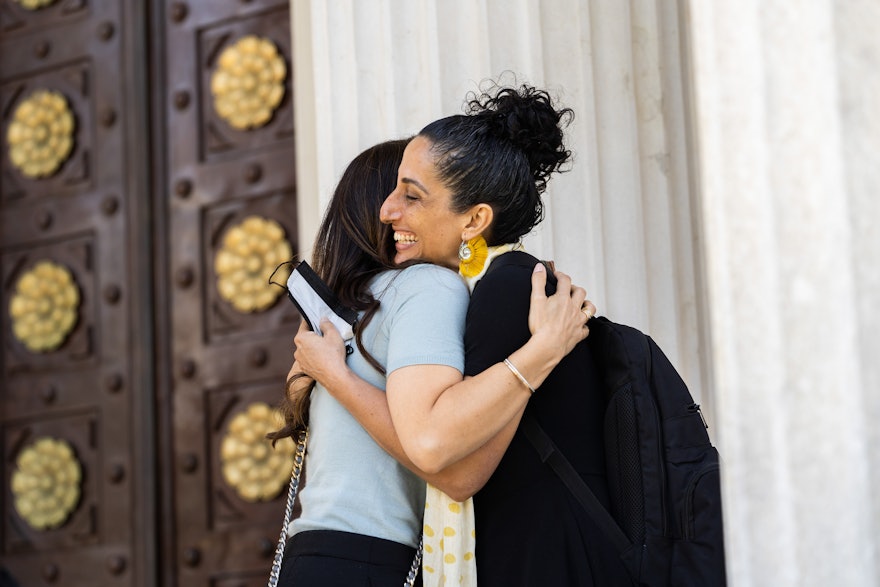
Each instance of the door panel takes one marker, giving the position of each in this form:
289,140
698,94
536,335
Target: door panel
70,305
148,394
230,217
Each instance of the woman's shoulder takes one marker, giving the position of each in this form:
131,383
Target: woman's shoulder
513,269
427,274
514,259
422,279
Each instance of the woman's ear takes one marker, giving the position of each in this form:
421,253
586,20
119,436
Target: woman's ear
481,216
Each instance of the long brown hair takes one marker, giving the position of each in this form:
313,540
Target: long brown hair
351,248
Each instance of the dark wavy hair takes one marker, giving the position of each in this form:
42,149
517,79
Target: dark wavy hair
502,153
351,248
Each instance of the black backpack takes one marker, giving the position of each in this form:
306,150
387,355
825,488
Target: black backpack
663,473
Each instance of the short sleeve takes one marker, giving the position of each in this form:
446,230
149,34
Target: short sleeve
426,318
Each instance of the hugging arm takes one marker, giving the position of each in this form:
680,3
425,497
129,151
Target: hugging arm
452,432
369,406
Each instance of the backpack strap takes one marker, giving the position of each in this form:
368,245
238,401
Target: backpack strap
552,456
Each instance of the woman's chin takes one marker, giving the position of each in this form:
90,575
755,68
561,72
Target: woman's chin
403,257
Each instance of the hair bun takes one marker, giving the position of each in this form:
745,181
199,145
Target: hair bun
526,117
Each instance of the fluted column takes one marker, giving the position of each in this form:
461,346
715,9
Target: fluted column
755,268
788,135
620,221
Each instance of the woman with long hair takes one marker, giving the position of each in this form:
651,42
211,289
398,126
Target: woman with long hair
362,510
469,188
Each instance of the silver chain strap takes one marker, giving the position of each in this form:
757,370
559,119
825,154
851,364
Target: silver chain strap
298,460
414,568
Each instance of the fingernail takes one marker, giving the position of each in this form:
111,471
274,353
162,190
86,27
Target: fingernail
539,268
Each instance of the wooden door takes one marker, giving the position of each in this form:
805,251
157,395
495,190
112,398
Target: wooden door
228,217
76,352
146,183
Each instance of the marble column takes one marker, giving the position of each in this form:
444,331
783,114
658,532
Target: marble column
620,221
787,133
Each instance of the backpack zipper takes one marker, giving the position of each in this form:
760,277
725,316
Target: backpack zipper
696,408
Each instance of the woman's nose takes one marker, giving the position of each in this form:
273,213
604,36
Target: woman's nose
389,211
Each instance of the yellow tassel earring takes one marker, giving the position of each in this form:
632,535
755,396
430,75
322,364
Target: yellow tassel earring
472,256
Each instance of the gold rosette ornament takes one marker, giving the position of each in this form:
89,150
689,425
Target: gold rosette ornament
248,83
251,251
44,307
35,4
40,136
46,483
249,463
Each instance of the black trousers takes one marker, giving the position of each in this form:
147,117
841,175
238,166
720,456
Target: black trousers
326,558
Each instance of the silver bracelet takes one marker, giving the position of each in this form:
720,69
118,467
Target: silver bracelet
519,375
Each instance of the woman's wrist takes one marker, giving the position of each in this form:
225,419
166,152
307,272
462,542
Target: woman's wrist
519,375
546,346
536,359
339,380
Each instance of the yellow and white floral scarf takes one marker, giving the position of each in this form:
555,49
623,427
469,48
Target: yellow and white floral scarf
449,537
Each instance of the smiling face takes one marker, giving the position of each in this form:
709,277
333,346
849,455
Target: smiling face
425,227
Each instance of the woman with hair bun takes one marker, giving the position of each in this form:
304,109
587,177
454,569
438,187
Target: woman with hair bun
468,189
362,508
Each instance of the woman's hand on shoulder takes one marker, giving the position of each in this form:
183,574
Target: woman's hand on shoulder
320,357
561,319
